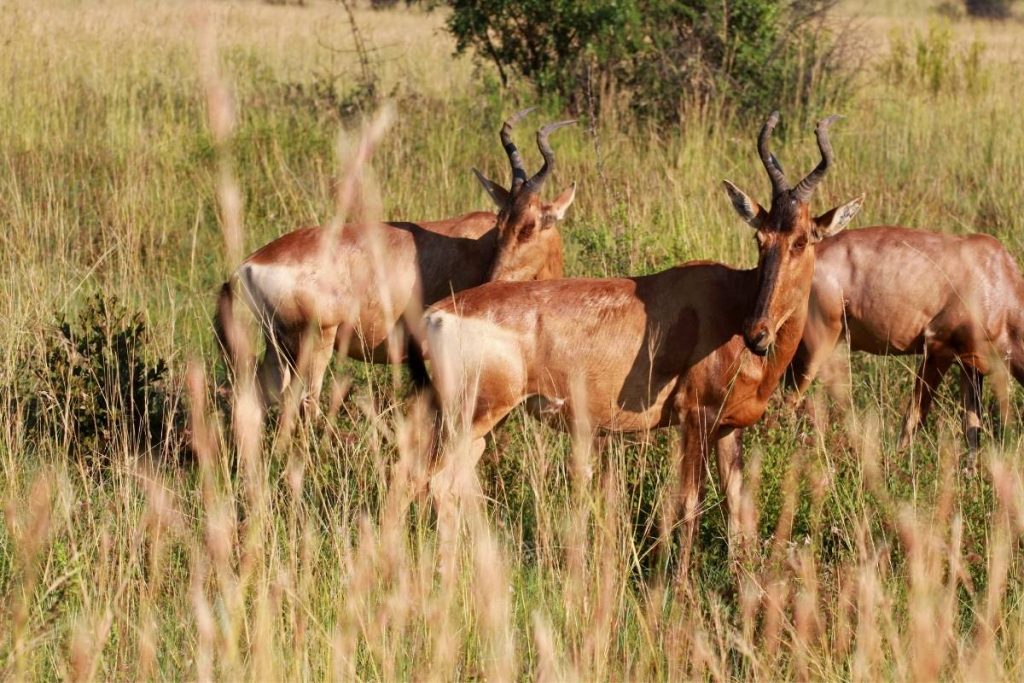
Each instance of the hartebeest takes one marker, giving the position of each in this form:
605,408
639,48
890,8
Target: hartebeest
702,345
892,290
348,289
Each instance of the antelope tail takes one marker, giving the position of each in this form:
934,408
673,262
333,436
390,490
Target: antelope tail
426,400
224,325
415,361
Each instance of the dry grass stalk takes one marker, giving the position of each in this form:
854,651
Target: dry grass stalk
315,555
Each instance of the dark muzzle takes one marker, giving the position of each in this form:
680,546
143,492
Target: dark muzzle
757,337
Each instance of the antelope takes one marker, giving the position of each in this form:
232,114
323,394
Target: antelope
954,299
702,345
350,289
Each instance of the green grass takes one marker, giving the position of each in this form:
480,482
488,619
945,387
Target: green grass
302,564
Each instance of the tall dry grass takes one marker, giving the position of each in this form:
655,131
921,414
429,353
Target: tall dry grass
146,146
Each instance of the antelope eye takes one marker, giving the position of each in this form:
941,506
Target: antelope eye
527,230
799,244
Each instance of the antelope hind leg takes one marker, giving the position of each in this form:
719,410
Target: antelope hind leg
274,373
321,349
970,393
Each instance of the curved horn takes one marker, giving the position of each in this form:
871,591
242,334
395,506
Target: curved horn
545,151
803,191
518,172
779,184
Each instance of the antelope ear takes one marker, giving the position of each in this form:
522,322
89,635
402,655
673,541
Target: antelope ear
834,220
498,193
749,210
555,211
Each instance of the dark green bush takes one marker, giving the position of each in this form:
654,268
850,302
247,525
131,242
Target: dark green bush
989,9
99,387
662,53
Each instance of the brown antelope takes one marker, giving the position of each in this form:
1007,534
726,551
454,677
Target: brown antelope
348,289
702,345
891,290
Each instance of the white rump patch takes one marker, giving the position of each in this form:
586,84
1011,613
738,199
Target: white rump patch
461,348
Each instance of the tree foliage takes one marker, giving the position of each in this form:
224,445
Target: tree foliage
662,53
989,9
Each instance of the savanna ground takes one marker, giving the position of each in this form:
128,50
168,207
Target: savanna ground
208,558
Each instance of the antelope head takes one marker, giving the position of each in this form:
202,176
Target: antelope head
529,245
786,235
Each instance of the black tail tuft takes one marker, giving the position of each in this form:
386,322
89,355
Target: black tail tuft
223,324
417,364
424,395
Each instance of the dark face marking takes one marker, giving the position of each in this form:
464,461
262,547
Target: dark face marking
782,238
756,331
519,254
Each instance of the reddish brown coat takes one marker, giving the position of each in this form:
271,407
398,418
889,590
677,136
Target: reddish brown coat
894,290
321,289
702,345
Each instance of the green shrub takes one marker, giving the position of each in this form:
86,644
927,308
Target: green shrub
98,388
933,62
662,53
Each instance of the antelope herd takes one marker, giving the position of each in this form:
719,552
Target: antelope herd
701,345
319,290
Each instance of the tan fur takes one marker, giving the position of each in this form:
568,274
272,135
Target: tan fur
319,289
893,290
634,354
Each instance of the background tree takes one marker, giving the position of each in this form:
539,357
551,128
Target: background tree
751,53
991,9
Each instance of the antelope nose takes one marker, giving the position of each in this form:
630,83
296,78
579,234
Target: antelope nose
757,338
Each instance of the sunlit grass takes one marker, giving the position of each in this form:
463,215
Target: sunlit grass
314,558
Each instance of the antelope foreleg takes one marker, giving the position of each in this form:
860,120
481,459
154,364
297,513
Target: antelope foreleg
927,381
693,453
729,449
